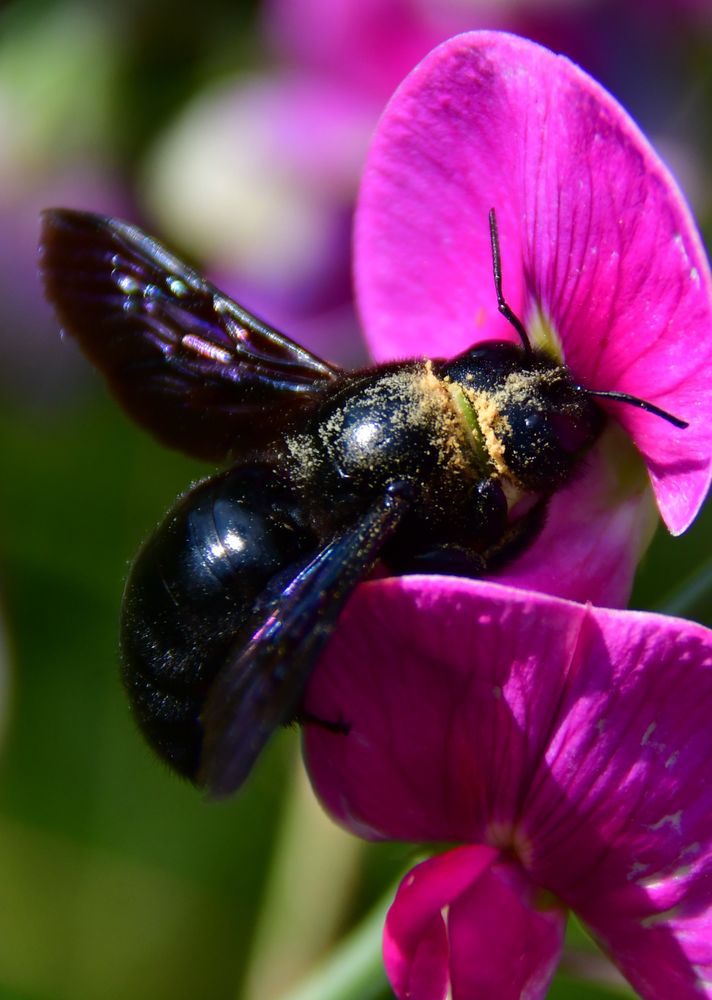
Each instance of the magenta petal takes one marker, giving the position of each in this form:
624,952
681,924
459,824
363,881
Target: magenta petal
618,820
466,921
450,688
577,739
415,940
595,237
502,945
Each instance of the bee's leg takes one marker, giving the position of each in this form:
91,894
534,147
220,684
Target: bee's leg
446,560
517,538
305,718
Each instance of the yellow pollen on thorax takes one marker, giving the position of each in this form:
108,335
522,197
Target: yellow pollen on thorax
492,424
432,396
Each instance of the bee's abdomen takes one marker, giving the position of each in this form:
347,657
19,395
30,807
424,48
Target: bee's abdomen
190,592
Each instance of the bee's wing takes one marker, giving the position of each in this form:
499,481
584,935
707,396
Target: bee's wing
184,360
262,684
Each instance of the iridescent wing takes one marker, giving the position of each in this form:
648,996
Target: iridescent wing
184,360
261,685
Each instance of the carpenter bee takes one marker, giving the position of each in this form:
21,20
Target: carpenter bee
441,466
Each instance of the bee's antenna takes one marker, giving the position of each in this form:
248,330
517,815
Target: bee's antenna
642,404
497,268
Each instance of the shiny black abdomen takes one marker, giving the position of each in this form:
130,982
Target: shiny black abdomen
190,591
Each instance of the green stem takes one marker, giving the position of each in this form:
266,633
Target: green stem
693,597
314,869
354,968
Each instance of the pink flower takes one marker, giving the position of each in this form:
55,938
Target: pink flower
567,747
601,260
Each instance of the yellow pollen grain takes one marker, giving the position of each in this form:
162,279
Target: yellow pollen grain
303,456
493,426
429,403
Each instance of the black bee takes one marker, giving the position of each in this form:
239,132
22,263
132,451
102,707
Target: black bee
427,465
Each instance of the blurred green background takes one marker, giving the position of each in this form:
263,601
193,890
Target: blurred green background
117,880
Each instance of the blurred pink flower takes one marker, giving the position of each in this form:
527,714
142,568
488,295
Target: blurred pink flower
36,364
55,149
601,260
566,746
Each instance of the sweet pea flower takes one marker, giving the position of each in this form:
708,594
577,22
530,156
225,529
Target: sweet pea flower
565,747
601,261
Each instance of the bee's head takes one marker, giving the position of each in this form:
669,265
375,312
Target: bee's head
528,415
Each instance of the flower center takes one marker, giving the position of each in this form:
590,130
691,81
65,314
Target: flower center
543,335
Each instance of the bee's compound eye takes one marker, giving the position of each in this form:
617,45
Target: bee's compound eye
447,560
572,433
